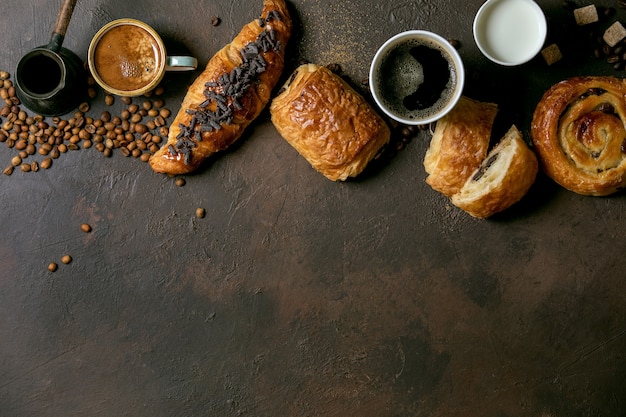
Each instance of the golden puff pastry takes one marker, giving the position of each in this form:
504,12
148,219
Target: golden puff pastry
229,94
459,145
504,177
328,122
579,133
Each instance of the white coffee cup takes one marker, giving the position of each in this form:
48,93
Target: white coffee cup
414,61
510,32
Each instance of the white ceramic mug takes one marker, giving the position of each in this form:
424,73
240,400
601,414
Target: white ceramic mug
416,77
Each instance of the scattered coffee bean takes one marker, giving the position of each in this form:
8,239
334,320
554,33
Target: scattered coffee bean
66,259
215,21
85,227
200,212
180,182
52,266
34,135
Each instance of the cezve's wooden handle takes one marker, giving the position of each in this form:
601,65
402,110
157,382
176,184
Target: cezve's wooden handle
63,20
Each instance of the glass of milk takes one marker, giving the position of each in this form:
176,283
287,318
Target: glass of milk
510,32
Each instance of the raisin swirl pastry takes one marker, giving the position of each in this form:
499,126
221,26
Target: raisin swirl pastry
579,134
229,94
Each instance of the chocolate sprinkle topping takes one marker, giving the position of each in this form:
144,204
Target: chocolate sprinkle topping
225,93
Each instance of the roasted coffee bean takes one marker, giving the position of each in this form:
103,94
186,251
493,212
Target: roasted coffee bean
109,100
200,212
16,161
9,170
52,266
180,182
66,259
215,21
24,167
34,166
85,227
46,163
84,107
127,100
141,128
159,91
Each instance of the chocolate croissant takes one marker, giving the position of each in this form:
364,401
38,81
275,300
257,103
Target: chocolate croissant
229,94
331,125
504,177
459,145
579,133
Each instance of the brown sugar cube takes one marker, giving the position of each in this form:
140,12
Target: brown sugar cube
551,54
586,15
614,34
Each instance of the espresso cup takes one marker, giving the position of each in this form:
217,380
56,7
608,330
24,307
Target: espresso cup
416,77
510,32
127,57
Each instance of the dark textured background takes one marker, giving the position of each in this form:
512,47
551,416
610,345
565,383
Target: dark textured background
296,296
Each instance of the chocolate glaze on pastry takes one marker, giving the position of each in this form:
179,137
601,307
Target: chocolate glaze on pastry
579,133
229,94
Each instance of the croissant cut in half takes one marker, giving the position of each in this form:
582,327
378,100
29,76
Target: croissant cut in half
460,165
331,125
229,94
579,132
459,144
504,177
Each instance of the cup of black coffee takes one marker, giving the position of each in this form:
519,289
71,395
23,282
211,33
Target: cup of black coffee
416,77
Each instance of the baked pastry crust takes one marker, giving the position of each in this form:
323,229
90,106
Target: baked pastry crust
229,94
459,145
328,122
579,134
504,177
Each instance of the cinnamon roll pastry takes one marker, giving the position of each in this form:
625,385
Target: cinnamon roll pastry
579,133
459,145
328,122
504,177
229,94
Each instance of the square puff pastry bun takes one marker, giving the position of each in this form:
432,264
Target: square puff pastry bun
459,145
328,122
504,177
